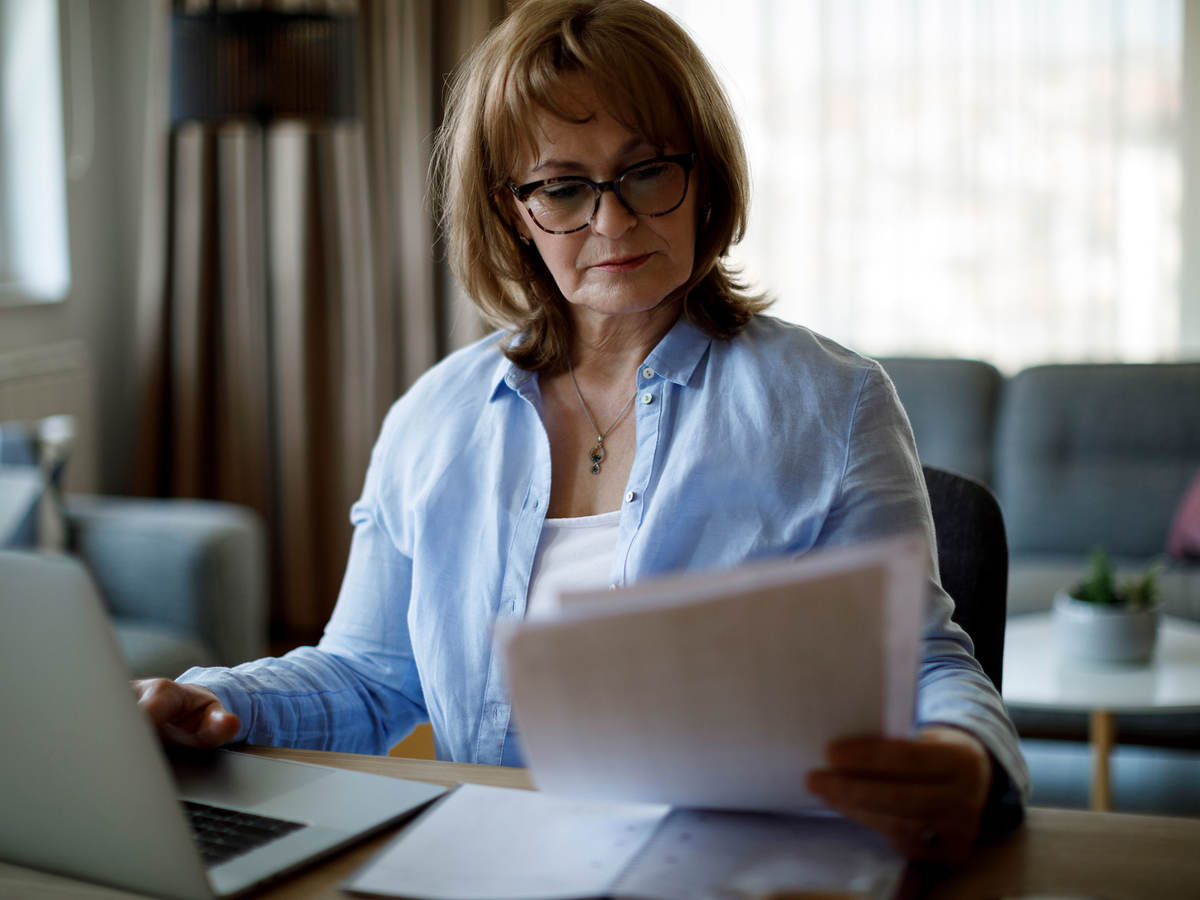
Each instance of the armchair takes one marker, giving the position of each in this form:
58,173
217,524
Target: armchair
184,580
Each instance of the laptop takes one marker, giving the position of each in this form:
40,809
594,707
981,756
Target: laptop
88,791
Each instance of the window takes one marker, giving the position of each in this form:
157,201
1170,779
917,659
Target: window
996,180
34,263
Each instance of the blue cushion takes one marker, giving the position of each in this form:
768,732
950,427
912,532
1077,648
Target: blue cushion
21,490
1096,454
155,650
33,456
951,404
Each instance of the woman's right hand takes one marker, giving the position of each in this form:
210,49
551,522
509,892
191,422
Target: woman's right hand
185,714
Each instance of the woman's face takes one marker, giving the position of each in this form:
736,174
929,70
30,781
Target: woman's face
620,263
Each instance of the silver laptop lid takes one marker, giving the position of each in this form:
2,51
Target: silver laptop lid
86,789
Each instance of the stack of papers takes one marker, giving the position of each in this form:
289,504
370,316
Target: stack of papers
487,843
670,727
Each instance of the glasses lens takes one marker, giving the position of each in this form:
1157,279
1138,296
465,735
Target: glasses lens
654,188
651,188
562,205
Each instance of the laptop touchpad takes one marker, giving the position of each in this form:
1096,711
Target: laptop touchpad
237,779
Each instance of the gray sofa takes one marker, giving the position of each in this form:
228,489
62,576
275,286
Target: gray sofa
1078,456
185,580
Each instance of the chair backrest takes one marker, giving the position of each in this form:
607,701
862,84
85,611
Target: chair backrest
972,554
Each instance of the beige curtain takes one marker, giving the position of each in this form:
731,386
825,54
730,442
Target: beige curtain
359,302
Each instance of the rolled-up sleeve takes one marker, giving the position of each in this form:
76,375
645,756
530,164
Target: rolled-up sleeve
358,690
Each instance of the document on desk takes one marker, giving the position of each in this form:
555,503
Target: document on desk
489,843
670,726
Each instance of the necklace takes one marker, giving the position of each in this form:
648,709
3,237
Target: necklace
597,454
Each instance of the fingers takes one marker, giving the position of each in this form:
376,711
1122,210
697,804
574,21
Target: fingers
186,714
915,799
926,794
936,827
937,754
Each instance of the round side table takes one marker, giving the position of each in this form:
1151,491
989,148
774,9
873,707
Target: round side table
1037,675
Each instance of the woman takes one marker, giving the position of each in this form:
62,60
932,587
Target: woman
638,415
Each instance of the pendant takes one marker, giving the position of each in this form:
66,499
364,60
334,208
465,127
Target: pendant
597,456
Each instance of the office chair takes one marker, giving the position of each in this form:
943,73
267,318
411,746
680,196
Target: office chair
972,554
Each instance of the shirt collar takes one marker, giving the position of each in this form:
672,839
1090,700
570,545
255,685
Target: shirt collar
675,359
507,374
679,352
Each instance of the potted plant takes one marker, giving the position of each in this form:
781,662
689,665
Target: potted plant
1099,620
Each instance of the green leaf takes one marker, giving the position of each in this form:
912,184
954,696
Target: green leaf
1100,586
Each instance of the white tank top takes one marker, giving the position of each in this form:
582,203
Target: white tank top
573,554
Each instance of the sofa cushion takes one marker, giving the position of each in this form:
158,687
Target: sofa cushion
1091,455
196,567
21,491
33,456
1142,779
156,651
951,404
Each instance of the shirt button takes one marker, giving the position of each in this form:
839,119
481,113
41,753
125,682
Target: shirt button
647,372
630,497
647,398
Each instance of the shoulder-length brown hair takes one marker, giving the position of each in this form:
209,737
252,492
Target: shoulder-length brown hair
657,83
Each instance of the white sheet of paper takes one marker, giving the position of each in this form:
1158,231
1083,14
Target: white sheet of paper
488,843
720,690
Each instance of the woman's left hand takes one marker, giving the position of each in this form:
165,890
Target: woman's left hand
925,794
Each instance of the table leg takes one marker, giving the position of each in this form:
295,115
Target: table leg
1102,734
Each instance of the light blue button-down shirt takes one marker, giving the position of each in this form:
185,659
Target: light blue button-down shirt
775,442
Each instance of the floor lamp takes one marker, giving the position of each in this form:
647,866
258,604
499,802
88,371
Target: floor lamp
261,67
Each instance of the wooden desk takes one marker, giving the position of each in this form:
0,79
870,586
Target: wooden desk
1057,852
323,880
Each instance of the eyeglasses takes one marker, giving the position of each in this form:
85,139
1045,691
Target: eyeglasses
562,205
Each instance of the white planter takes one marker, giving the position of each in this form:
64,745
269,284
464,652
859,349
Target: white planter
1104,634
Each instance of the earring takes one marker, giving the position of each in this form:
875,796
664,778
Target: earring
524,239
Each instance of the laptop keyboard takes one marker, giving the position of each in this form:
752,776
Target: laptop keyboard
223,834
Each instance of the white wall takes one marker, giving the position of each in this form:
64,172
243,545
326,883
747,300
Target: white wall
102,211
1190,274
